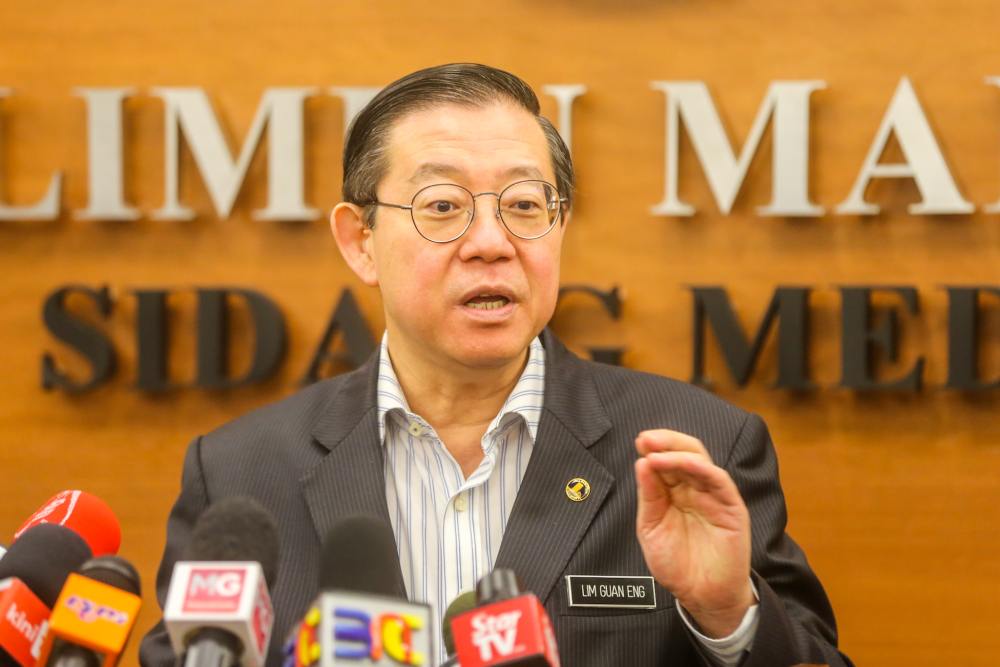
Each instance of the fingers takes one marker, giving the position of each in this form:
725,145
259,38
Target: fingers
651,488
685,468
671,485
693,469
653,497
665,440
673,473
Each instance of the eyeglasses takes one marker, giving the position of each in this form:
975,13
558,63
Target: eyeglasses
442,213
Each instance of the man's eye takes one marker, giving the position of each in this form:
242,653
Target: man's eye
524,206
442,206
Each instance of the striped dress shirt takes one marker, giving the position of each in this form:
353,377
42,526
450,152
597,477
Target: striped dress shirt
448,527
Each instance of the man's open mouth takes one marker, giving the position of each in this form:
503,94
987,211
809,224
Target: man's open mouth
487,302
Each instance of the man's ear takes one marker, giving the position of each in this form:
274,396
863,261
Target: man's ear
354,238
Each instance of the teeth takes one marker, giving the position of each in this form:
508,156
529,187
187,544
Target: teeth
488,305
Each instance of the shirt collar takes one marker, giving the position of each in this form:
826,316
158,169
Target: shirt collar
524,401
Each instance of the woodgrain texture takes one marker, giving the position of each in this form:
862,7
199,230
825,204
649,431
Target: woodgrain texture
893,497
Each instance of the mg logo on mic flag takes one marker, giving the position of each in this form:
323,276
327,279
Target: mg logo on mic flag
214,589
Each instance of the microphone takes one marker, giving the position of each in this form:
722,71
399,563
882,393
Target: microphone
358,619
508,628
359,555
218,609
94,615
466,601
32,574
83,513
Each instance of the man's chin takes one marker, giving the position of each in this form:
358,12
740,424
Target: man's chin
490,352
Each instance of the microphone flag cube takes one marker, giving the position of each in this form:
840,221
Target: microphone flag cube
93,615
231,596
516,631
363,629
23,619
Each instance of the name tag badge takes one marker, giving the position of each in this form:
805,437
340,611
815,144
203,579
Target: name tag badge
616,592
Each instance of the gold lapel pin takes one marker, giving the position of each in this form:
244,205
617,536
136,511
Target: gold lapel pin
578,489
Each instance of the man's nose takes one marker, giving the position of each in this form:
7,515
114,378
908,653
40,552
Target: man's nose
487,237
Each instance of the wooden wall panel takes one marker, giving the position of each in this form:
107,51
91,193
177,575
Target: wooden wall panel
893,496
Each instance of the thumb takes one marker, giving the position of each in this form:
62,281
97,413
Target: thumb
653,497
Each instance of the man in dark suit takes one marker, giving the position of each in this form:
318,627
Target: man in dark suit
585,479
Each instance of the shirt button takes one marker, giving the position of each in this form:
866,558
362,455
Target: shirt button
461,503
415,429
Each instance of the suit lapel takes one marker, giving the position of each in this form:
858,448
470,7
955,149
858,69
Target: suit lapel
545,526
350,479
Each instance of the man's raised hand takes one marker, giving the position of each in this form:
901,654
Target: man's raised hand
694,529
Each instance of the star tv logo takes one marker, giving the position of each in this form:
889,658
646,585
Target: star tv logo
495,635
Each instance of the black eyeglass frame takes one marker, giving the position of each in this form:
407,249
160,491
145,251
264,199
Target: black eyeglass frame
472,216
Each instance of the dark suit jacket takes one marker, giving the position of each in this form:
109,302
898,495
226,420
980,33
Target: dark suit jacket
315,458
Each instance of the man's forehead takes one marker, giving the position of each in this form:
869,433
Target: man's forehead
426,170
435,142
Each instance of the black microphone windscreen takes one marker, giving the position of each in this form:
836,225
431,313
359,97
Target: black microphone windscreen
464,602
359,555
113,571
43,557
500,584
237,529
